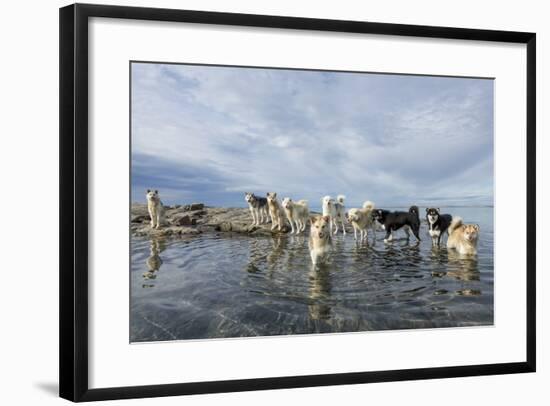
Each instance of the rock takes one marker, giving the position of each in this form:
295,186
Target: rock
195,218
196,213
183,220
225,226
193,206
140,218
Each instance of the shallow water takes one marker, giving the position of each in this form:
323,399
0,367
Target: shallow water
234,285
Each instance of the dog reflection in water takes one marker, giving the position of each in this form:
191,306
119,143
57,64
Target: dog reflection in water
320,242
319,293
154,260
461,267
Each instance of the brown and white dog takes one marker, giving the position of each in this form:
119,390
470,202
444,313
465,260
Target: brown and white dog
320,239
362,220
275,211
463,237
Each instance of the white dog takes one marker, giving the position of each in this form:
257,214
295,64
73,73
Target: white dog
156,210
361,219
275,211
297,214
320,242
336,211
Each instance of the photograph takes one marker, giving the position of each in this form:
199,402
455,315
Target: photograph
270,201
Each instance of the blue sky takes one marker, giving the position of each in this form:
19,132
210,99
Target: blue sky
208,134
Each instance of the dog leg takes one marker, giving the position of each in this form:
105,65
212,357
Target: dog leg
343,227
407,231
389,236
415,232
335,226
158,219
152,219
355,232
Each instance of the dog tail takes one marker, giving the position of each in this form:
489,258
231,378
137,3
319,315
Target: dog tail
455,223
340,199
368,205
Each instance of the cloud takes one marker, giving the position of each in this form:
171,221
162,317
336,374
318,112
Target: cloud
210,133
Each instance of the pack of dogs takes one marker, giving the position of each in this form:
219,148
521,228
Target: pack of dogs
461,237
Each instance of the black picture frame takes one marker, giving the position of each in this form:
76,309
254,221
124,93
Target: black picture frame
73,281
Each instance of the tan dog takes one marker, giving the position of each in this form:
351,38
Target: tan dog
275,211
320,242
463,237
361,219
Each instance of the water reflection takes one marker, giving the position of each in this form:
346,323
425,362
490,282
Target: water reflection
154,261
246,285
319,292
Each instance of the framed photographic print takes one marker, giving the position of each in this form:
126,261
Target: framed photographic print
257,202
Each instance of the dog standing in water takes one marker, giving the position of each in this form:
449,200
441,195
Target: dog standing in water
437,224
155,208
463,237
394,220
320,239
336,212
362,220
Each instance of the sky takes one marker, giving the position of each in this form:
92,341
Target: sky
211,133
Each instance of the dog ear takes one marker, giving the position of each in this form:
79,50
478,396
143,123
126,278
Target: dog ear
463,227
313,219
427,209
148,190
476,226
438,209
156,192
326,218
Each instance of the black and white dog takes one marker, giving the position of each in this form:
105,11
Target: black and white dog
437,224
394,220
258,208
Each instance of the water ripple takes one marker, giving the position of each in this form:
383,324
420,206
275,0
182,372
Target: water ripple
231,285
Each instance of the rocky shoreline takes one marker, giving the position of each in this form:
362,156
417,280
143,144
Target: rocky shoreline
196,218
